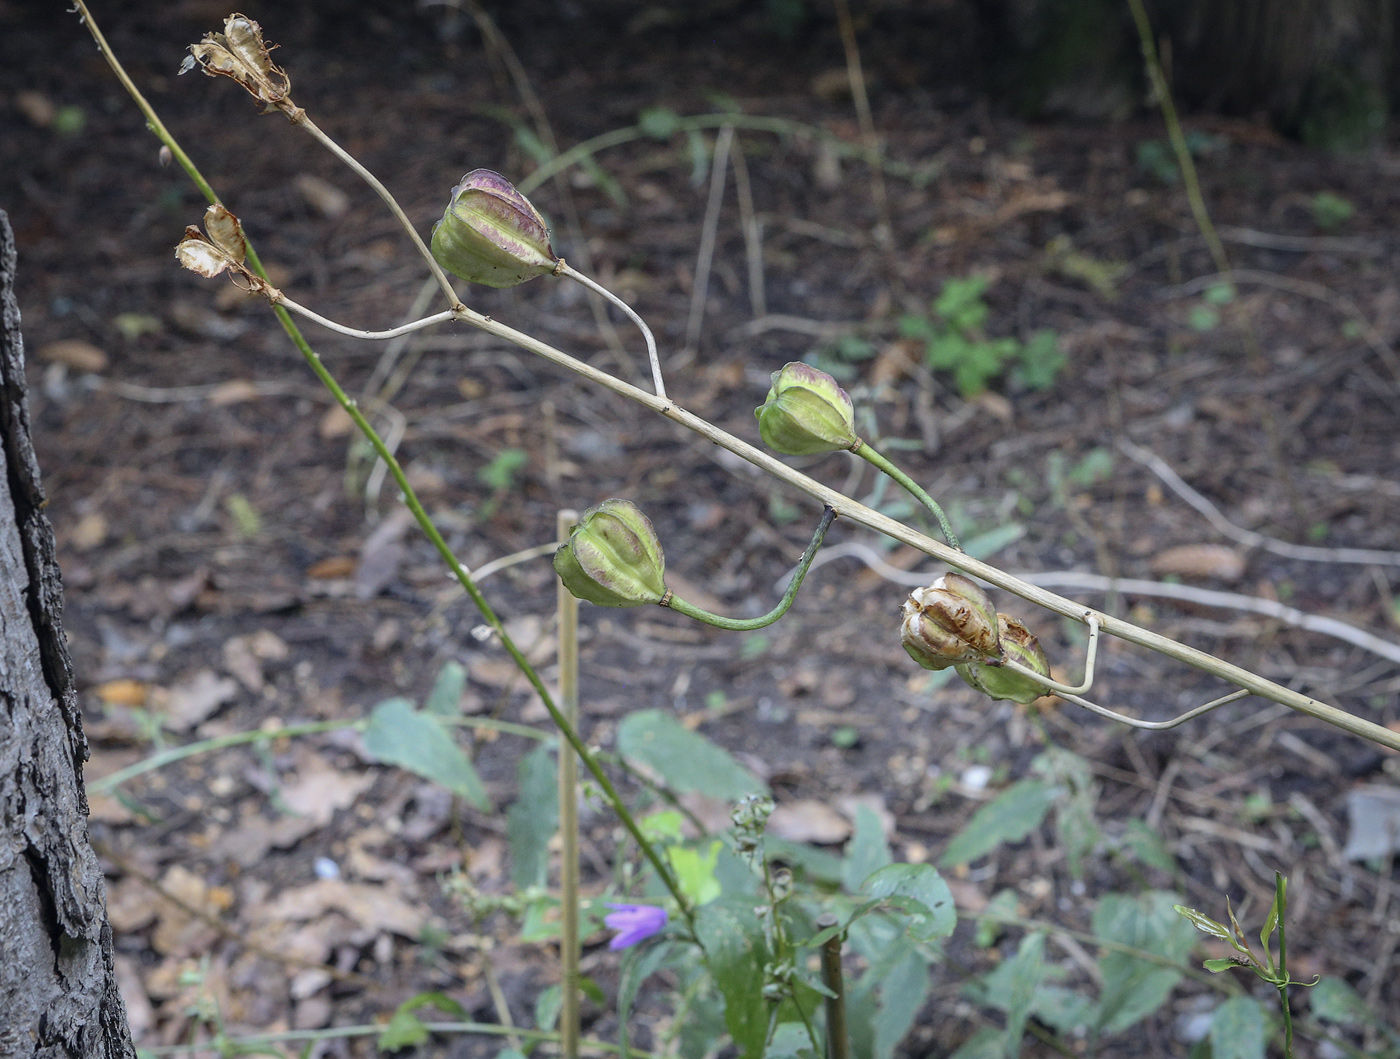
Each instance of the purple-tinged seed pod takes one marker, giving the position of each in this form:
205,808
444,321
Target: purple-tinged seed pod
491,234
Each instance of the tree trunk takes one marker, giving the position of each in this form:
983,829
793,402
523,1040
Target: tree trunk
58,990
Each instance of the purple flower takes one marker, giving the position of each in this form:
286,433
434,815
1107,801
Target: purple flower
634,923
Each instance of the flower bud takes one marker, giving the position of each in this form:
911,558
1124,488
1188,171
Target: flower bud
950,621
613,558
1019,645
806,413
491,234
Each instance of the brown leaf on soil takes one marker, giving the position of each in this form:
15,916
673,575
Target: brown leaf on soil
1200,560
194,700
808,820
333,568
74,353
124,693
374,908
140,1015
177,931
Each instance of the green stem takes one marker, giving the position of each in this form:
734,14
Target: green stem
749,624
1281,900
411,501
566,607
868,454
204,746
1184,160
335,1032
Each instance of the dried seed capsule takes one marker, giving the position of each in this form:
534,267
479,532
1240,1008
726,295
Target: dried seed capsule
806,412
1020,645
491,234
949,622
613,558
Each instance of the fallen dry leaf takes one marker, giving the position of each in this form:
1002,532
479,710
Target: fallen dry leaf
90,531
178,932
808,820
323,196
124,693
334,568
192,701
374,908
140,1015
74,353
1200,560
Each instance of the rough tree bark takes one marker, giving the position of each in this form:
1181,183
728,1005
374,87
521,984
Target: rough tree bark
58,991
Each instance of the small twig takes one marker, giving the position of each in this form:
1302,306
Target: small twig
1087,582
884,229
705,257
278,298
300,118
499,1002
1308,553
753,230
565,269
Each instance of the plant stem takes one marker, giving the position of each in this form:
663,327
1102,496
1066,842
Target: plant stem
411,501
1184,160
565,269
836,1035
868,454
299,117
279,298
227,1045
680,606
1281,900
567,608
179,753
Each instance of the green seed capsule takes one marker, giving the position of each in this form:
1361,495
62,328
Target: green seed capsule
1019,645
806,412
613,558
491,234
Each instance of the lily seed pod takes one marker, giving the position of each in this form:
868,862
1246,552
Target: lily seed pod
1019,645
223,248
806,412
240,53
613,558
950,622
491,234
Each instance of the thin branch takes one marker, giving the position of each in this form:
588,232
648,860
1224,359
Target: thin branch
1250,539
700,288
753,230
884,229
300,118
565,269
1086,582
278,298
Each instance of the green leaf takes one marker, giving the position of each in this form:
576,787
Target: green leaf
533,818
499,475
1135,988
1216,966
400,735
1009,817
1148,846
736,953
1003,903
445,700
1040,361
547,1006
1027,972
1203,922
695,871
902,992
1239,1030
790,1041
867,851
984,1044
637,966
936,917
660,123
1334,1001
686,760
403,1029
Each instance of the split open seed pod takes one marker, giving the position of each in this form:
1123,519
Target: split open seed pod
491,234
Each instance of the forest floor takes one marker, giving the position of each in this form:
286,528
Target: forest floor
225,570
